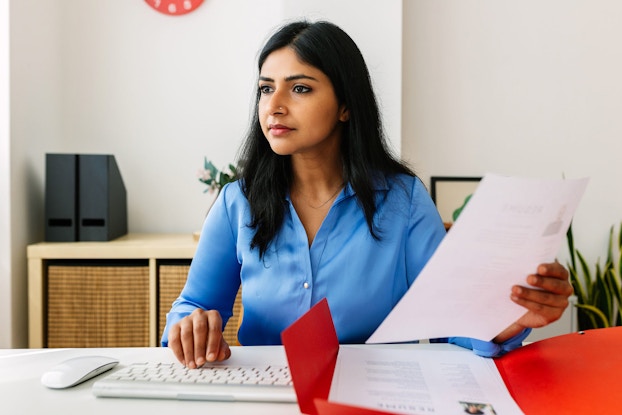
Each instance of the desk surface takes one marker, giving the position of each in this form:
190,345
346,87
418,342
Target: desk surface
575,373
21,391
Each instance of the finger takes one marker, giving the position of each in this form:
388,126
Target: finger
200,336
538,314
538,297
187,341
551,284
214,337
553,269
174,343
225,350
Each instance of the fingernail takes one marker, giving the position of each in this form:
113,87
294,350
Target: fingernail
211,357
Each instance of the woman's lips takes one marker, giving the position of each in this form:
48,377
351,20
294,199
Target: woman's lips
279,129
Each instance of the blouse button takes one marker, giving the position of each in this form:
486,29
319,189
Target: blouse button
306,285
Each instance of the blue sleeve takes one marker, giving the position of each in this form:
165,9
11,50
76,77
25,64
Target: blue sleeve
484,348
425,231
214,276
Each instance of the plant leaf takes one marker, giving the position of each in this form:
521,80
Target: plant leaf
587,275
594,311
458,211
576,284
610,246
613,283
571,251
602,298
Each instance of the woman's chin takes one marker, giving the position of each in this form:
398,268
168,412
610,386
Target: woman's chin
282,149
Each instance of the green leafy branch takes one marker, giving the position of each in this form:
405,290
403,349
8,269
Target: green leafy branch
215,179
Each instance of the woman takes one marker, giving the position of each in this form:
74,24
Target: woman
322,210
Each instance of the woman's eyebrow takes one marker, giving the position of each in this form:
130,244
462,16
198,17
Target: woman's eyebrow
300,76
289,78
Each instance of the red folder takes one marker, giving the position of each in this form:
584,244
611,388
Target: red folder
572,373
576,373
311,346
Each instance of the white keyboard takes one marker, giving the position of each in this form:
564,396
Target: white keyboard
216,382
177,373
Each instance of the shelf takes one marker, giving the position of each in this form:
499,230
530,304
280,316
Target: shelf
154,249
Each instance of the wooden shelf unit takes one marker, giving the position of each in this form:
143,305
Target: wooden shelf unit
155,250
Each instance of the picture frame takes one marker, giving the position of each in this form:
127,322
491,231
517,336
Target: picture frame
450,192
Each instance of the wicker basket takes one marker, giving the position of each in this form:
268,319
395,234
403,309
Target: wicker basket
98,306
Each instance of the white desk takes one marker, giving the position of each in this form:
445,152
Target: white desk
21,391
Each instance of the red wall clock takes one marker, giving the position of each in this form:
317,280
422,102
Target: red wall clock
174,7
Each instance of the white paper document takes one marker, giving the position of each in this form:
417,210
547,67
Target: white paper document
419,381
509,227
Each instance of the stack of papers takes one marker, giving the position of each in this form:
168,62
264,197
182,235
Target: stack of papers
509,227
419,381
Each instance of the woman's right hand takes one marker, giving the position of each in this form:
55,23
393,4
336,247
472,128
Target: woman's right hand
197,339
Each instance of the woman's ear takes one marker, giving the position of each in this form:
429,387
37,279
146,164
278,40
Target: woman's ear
344,114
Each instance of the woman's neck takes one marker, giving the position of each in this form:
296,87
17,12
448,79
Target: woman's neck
315,187
316,178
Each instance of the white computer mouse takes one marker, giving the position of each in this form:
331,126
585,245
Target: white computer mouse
76,370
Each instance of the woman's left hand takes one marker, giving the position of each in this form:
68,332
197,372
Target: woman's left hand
545,303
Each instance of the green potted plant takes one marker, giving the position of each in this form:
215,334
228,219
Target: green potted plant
598,290
215,179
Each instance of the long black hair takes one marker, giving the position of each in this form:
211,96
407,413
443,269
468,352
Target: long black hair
266,176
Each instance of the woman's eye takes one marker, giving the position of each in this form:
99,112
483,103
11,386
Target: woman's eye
265,89
301,89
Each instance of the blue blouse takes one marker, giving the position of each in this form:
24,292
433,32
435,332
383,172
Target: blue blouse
361,277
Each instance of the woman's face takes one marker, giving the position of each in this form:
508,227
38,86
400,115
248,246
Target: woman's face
298,108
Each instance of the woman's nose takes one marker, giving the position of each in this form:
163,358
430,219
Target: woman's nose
277,103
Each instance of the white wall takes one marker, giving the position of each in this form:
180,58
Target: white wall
158,92
5,190
526,88
33,118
